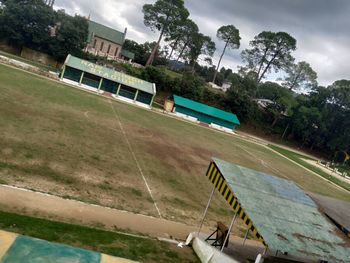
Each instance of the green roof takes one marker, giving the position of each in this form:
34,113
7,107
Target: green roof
205,109
105,32
110,74
128,54
285,216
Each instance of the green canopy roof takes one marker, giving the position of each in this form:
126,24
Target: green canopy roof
285,217
105,32
205,109
128,54
110,74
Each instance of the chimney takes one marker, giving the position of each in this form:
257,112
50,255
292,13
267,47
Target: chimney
125,31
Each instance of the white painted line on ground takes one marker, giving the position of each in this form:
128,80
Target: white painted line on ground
134,157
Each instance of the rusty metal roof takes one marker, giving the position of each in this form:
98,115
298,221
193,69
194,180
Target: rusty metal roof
283,215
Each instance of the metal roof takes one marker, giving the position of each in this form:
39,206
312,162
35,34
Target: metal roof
105,32
205,109
128,54
279,213
110,74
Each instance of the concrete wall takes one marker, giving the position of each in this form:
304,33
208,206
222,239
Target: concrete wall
97,49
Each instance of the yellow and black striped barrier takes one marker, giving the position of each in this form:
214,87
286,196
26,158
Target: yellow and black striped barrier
219,181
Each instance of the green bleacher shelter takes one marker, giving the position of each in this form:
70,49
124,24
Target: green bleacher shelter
99,78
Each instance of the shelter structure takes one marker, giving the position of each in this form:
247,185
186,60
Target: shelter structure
102,79
279,214
204,113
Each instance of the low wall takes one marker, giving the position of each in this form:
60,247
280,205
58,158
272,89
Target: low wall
10,49
39,57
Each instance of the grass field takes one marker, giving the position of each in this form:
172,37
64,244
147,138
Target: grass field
67,142
300,160
115,244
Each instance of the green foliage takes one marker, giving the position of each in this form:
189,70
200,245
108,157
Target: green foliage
300,77
26,23
190,87
158,76
108,242
230,35
35,25
162,16
269,51
70,38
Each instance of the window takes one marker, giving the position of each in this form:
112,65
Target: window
109,48
102,43
95,41
116,51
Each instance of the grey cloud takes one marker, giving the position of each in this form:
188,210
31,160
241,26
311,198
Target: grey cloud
321,27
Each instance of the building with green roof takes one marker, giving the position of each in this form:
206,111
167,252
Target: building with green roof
205,113
105,41
98,78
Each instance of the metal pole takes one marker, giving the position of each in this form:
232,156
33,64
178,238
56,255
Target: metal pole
206,210
229,231
81,77
246,236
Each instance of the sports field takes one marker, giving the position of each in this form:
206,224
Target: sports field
63,141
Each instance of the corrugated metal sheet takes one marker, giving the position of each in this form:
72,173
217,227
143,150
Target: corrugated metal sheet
110,74
283,216
128,54
205,109
105,32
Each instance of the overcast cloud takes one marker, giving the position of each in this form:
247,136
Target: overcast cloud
321,27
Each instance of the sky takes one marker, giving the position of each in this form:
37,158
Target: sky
321,27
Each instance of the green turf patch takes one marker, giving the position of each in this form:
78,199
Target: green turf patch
298,158
115,244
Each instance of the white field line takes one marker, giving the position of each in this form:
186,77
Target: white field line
264,163
134,157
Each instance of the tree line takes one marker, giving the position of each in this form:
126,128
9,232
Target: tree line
301,110
33,24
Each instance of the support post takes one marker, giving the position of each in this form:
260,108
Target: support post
63,71
246,236
100,84
118,89
81,77
136,94
229,231
152,100
206,210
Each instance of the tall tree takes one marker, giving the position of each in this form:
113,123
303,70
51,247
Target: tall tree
161,16
269,51
70,36
300,77
26,23
201,45
191,30
230,35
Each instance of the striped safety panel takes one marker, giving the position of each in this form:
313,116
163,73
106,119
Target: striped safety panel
219,181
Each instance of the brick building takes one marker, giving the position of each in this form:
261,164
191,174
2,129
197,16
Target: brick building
106,42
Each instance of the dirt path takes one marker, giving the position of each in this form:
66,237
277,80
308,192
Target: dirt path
44,205
71,211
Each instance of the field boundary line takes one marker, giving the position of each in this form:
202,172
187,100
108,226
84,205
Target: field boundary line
134,157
